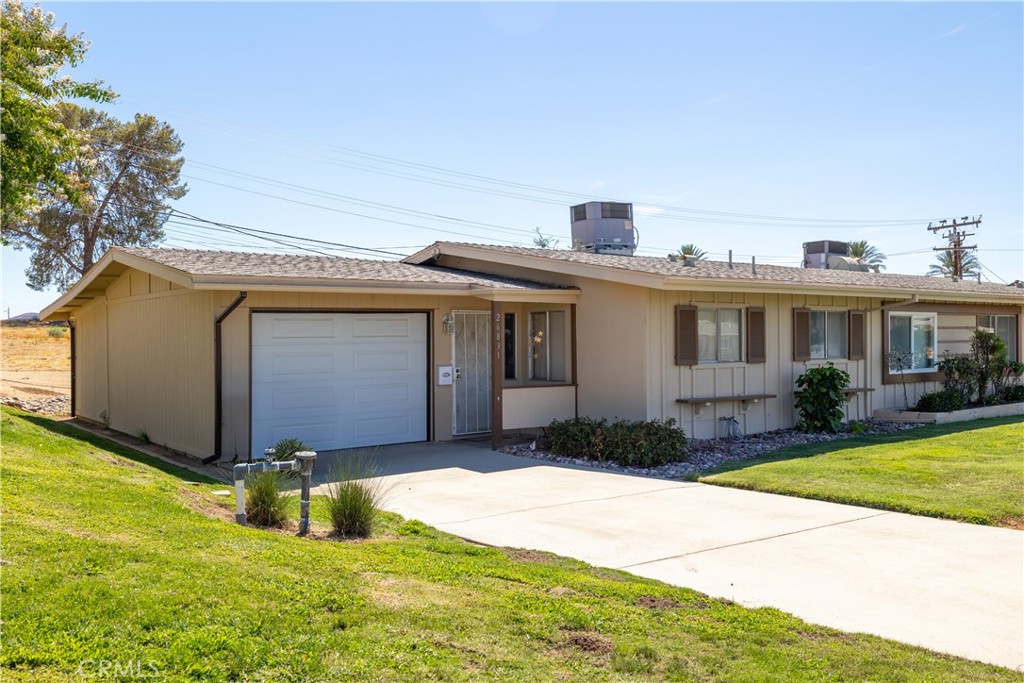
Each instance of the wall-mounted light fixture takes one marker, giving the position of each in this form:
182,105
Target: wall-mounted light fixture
449,323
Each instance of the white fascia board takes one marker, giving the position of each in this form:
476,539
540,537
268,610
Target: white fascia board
530,296
818,289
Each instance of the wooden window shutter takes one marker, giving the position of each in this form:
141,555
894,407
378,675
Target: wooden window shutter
857,327
801,334
756,352
686,335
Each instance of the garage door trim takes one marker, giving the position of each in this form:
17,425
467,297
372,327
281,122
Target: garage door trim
429,352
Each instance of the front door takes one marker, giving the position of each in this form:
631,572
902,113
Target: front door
472,387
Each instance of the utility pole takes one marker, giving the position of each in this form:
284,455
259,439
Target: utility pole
955,236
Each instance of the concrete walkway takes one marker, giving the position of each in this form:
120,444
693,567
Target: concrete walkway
950,587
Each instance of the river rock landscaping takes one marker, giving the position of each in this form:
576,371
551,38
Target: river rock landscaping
706,454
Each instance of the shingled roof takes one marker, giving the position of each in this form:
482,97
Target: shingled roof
711,271
233,264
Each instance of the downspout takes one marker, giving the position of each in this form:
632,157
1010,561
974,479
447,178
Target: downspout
74,365
218,363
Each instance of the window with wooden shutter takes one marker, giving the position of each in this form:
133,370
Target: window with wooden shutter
858,328
686,335
756,352
801,334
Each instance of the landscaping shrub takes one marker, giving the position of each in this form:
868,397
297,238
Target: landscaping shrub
265,503
581,437
961,375
944,401
354,498
989,353
1013,393
821,398
634,443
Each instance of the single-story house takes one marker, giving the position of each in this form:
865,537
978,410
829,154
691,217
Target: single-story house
220,354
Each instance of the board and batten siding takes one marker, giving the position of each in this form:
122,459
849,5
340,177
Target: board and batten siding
668,382
145,362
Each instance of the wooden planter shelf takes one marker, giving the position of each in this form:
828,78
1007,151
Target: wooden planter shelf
700,402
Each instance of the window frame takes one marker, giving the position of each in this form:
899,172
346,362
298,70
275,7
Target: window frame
740,335
510,341
1012,351
827,312
912,315
547,346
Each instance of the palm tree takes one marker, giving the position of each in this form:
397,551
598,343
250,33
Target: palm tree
944,264
693,251
868,254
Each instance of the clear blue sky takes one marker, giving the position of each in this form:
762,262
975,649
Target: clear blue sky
869,118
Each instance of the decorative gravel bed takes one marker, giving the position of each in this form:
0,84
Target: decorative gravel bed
49,405
706,454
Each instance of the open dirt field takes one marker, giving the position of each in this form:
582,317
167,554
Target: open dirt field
34,364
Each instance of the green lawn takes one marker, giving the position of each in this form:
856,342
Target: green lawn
107,561
970,471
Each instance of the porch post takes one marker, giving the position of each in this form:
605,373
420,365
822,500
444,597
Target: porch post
497,372
574,360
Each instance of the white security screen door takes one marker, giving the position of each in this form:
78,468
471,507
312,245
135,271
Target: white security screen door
472,358
338,380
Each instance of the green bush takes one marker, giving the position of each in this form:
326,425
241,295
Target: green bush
354,498
1013,393
634,443
989,353
961,375
265,503
285,449
821,398
56,331
944,401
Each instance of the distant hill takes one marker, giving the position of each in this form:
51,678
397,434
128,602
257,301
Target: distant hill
26,316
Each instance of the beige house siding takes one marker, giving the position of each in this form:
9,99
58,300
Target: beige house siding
236,340
145,362
91,398
669,382
612,333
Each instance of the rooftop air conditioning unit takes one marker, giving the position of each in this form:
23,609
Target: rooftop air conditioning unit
832,255
603,227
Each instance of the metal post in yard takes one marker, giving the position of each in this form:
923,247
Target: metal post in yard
306,460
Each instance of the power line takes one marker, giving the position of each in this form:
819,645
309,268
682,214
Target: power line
365,156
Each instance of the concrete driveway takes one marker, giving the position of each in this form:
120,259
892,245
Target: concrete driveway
950,587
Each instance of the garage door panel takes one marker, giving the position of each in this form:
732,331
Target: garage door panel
318,435
365,385
379,430
284,364
375,362
282,401
386,394
368,327
269,329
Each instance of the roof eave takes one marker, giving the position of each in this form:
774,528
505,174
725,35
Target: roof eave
777,287
102,274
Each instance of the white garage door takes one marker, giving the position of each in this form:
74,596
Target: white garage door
338,380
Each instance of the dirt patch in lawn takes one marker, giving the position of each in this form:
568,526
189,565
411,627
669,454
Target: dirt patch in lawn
527,555
589,642
36,369
200,501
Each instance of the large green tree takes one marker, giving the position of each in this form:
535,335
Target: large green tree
125,174
945,264
35,146
868,254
